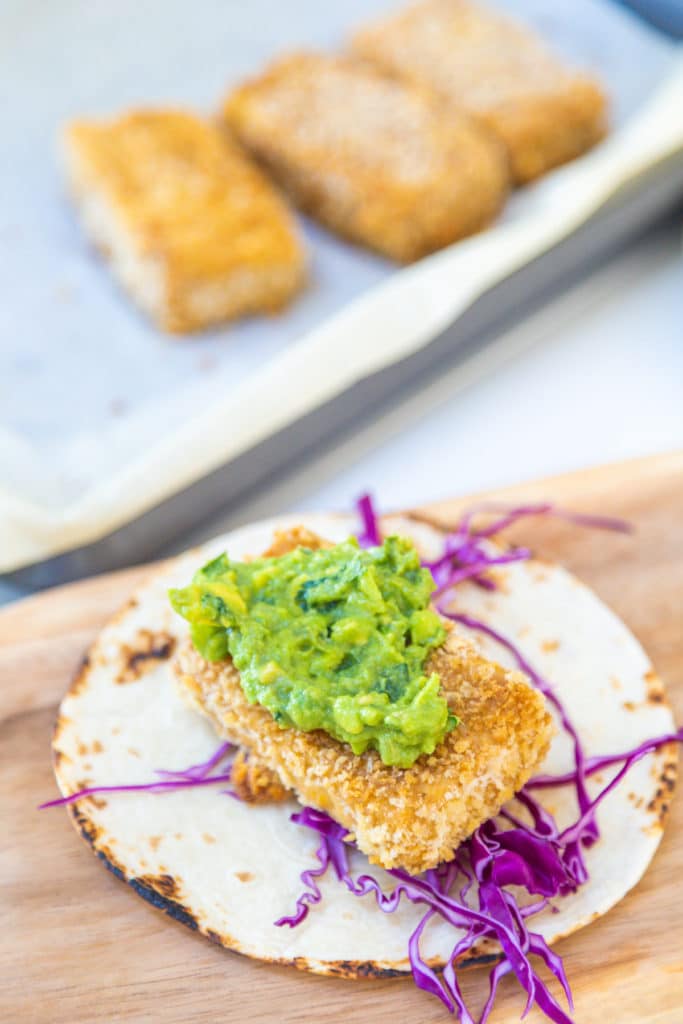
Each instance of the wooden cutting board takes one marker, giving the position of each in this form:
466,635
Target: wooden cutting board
76,945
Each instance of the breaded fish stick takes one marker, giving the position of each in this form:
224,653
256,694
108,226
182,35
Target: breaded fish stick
499,72
414,817
192,229
374,159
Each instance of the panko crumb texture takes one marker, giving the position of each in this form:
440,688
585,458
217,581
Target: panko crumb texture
376,160
192,227
499,72
415,817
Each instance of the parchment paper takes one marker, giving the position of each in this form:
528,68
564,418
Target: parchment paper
101,416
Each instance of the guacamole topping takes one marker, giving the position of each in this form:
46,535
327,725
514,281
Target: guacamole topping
333,639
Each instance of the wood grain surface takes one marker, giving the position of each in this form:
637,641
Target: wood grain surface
76,945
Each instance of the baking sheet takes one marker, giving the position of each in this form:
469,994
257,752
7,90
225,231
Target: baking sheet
101,417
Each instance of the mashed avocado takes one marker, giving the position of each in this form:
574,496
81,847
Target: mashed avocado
332,639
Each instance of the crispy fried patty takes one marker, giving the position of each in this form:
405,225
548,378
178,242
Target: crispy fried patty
414,817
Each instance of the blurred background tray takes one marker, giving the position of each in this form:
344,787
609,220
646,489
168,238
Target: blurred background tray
86,384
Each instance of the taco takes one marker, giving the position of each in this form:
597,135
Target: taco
402,690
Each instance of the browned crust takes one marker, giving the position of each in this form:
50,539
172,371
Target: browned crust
499,72
549,132
309,119
170,194
412,817
255,783
296,537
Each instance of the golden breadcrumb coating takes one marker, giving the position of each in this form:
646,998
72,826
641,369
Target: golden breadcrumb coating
192,227
285,541
414,817
376,160
253,782
498,71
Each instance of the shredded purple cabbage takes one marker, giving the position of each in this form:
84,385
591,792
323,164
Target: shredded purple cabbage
528,852
168,781
512,514
369,536
593,765
496,916
471,892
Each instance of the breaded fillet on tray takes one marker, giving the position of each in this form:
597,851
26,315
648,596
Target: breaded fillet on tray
192,229
500,72
376,160
412,818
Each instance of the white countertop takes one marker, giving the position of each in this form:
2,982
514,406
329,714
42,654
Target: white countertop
595,376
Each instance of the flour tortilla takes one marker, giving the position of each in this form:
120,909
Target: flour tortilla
230,870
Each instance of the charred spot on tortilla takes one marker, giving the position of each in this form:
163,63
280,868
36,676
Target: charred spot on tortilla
98,839
81,675
57,756
160,892
655,688
666,783
143,653
61,723
164,884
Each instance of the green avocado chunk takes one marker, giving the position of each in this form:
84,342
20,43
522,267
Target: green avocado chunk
333,639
